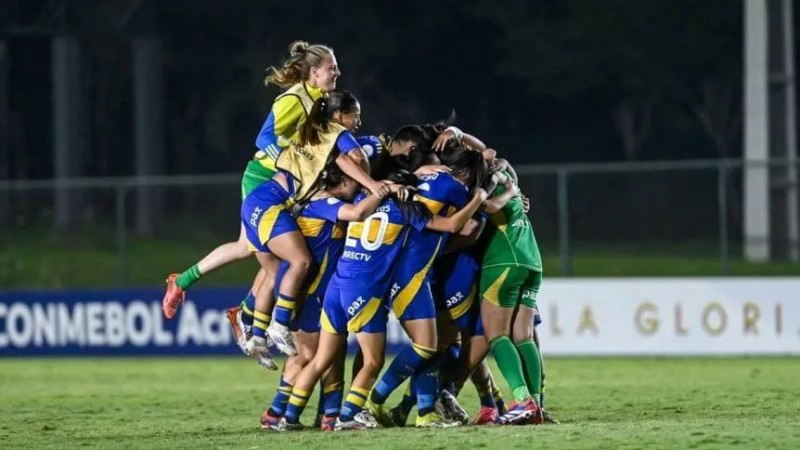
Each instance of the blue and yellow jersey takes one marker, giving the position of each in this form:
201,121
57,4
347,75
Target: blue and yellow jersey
411,295
443,195
324,234
372,146
282,126
372,246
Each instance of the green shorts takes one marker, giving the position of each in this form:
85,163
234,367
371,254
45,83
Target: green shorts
509,286
254,175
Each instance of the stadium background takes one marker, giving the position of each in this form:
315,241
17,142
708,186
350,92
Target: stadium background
124,126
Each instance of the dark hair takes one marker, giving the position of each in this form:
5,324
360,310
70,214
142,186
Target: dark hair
332,176
386,164
397,170
415,134
467,164
322,112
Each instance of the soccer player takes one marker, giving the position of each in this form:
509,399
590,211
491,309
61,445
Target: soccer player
269,226
511,273
309,73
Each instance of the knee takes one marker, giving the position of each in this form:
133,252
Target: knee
522,334
301,264
373,365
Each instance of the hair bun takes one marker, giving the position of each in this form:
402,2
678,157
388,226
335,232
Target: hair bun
298,48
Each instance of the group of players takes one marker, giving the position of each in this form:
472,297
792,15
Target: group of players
347,229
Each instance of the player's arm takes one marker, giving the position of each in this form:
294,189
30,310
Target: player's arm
347,143
456,222
503,166
468,235
452,132
359,212
497,202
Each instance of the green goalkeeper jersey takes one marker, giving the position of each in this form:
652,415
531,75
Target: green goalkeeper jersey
509,239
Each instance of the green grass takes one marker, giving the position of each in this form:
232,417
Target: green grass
203,403
90,258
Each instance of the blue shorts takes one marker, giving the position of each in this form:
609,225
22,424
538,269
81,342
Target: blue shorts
411,296
265,215
308,318
352,308
455,287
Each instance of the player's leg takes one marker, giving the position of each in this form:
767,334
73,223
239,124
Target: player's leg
329,343
522,335
332,392
352,415
290,247
500,290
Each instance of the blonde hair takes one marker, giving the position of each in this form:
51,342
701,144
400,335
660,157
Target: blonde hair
302,57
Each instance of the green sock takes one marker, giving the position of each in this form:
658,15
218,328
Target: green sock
507,358
532,365
188,278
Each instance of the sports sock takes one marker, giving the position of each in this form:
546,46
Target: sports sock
448,366
284,309
353,404
278,406
297,403
331,401
403,366
498,399
485,394
507,358
187,278
427,386
260,324
532,366
248,306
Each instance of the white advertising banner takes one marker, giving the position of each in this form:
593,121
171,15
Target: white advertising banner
670,316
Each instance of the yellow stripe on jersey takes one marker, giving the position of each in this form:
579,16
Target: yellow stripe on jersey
493,293
434,206
393,230
363,317
464,307
266,223
339,230
321,273
409,291
310,227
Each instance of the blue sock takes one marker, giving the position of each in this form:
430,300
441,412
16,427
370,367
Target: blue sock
284,309
248,306
278,406
403,366
331,401
484,389
354,403
296,405
260,324
450,360
427,383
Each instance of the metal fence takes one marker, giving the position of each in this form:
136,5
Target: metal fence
588,218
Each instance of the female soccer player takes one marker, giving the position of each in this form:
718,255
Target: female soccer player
269,226
411,298
309,73
354,300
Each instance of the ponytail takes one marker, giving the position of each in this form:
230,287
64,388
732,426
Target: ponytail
322,113
302,57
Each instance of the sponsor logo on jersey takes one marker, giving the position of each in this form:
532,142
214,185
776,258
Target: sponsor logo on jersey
356,306
424,187
521,223
356,256
333,200
255,215
528,294
394,291
455,299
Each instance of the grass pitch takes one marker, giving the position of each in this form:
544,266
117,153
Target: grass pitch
201,403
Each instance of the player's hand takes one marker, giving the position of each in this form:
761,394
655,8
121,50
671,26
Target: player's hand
526,203
490,156
431,169
500,164
404,193
375,187
511,186
442,140
481,194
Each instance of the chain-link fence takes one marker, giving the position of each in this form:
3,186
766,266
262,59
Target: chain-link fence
644,218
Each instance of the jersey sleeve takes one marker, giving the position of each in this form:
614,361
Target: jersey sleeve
436,193
371,146
326,209
347,143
